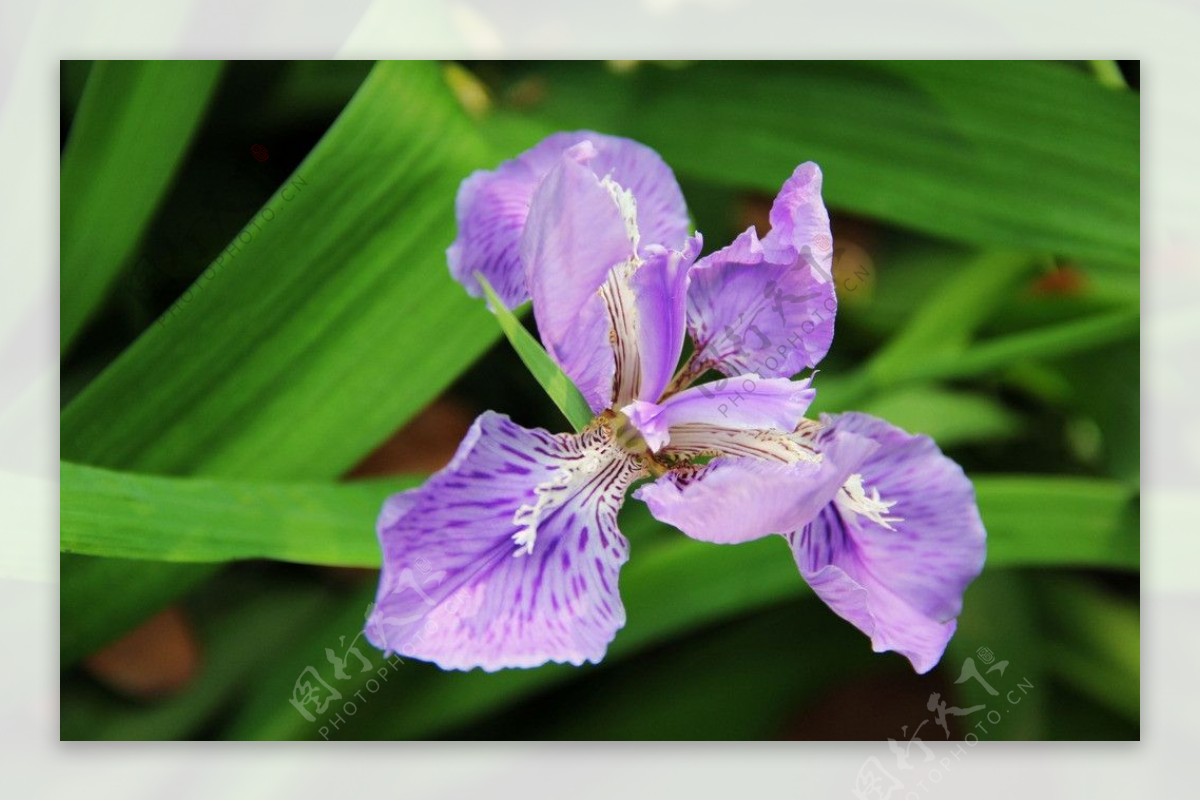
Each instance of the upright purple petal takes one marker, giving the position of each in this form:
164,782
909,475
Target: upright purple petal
898,575
768,306
574,238
492,207
748,401
799,221
509,556
612,320
738,498
659,287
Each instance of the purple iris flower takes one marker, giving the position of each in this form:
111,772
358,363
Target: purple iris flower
510,555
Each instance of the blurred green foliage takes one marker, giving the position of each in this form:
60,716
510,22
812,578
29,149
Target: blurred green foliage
255,298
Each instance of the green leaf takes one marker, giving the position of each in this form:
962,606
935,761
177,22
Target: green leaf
1076,336
1036,156
1097,643
1058,520
134,124
1106,330
106,513
946,322
327,323
248,374
950,417
553,380
1044,520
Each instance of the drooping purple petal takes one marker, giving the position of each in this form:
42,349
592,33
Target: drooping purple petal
492,207
902,585
509,556
768,306
738,498
748,401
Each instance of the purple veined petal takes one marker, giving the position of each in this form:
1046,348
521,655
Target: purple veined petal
901,581
662,214
509,556
647,305
574,238
800,222
746,402
492,207
739,498
768,306
613,321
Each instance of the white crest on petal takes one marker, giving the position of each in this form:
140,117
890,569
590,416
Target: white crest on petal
853,498
598,459
627,205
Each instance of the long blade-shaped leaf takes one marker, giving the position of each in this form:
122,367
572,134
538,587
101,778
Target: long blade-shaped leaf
247,375
107,513
945,323
135,122
553,380
206,520
1025,155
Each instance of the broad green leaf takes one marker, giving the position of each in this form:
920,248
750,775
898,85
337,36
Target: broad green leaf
1036,156
327,323
134,124
553,380
840,393
106,513
293,355
1058,520
1042,520
1061,339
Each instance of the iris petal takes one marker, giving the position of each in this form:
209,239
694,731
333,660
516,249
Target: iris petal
768,306
611,319
574,239
508,557
493,205
902,584
745,402
739,498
